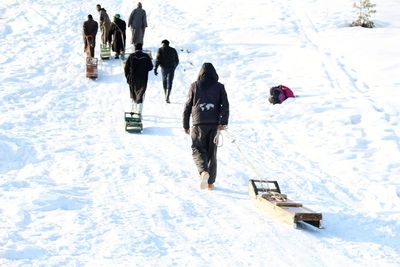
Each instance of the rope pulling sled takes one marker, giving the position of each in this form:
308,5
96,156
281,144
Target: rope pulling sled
268,197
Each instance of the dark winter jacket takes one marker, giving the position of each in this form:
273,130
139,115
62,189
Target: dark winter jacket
167,57
118,28
207,100
137,68
90,28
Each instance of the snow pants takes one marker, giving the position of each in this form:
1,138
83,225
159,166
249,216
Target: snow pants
204,150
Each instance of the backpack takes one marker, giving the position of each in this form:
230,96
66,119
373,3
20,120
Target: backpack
279,94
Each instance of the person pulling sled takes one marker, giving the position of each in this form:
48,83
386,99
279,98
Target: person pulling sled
137,69
118,33
208,106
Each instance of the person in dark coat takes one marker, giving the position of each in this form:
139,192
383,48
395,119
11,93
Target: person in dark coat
138,23
90,28
208,106
168,59
105,25
118,27
137,69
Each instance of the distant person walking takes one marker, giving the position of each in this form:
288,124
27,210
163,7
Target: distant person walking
117,31
137,68
208,104
138,23
90,28
168,59
105,25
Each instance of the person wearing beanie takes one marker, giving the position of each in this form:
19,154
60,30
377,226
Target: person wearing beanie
90,28
118,34
167,58
137,69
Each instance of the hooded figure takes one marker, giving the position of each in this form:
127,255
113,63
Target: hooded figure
168,59
118,27
137,69
208,106
138,23
90,28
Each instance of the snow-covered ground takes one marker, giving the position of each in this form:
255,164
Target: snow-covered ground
77,190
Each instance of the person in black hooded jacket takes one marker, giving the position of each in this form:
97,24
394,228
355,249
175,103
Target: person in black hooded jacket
208,106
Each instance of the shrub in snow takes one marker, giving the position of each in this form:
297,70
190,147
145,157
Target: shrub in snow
365,9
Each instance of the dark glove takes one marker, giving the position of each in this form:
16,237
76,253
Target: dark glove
155,72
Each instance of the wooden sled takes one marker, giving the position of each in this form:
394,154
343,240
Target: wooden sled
268,197
133,122
91,67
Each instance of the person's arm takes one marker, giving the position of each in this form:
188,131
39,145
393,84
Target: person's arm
157,63
130,21
127,69
188,110
176,59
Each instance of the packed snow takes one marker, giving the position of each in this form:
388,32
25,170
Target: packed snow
77,190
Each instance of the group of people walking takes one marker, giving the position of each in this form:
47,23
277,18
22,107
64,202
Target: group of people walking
207,104
113,33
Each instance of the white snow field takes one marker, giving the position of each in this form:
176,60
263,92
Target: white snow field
77,190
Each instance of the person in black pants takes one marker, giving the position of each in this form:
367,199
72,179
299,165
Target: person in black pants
168,59
208,106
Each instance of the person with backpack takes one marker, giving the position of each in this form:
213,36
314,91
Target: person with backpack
117,31
90,28
136,69
105,25
168,59
208,106
138,23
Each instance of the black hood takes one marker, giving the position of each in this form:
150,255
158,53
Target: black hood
208,74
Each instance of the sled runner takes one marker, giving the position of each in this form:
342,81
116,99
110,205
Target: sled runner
133,122
91,67
105,51
268,197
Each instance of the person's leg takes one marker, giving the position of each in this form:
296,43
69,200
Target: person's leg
199,148
170,78
133,96
103,35
164,81
212,155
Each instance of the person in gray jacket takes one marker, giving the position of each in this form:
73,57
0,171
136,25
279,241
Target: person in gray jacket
105,25
208,106
138,23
